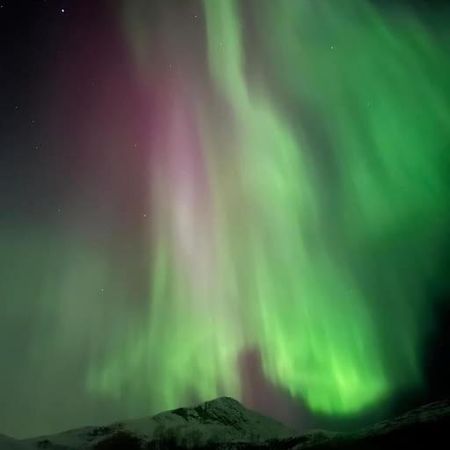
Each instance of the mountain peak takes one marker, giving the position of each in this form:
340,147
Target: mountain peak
223,402
223,410
224,423
225,417
221,420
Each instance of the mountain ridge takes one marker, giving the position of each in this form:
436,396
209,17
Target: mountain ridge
226,424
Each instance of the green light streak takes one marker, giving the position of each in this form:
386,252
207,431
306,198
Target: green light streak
323,242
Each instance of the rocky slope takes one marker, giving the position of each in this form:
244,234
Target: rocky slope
223,420
225,424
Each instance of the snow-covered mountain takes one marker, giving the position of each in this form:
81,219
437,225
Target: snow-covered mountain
217,421
227,425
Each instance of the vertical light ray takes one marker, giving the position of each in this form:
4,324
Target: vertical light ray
309,233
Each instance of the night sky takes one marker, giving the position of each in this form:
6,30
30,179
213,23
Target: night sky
223,197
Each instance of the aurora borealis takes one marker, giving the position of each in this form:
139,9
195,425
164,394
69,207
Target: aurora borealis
221,179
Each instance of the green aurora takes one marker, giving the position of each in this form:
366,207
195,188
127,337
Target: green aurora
313,225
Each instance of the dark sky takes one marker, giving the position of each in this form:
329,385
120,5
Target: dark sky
75,216
65,87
